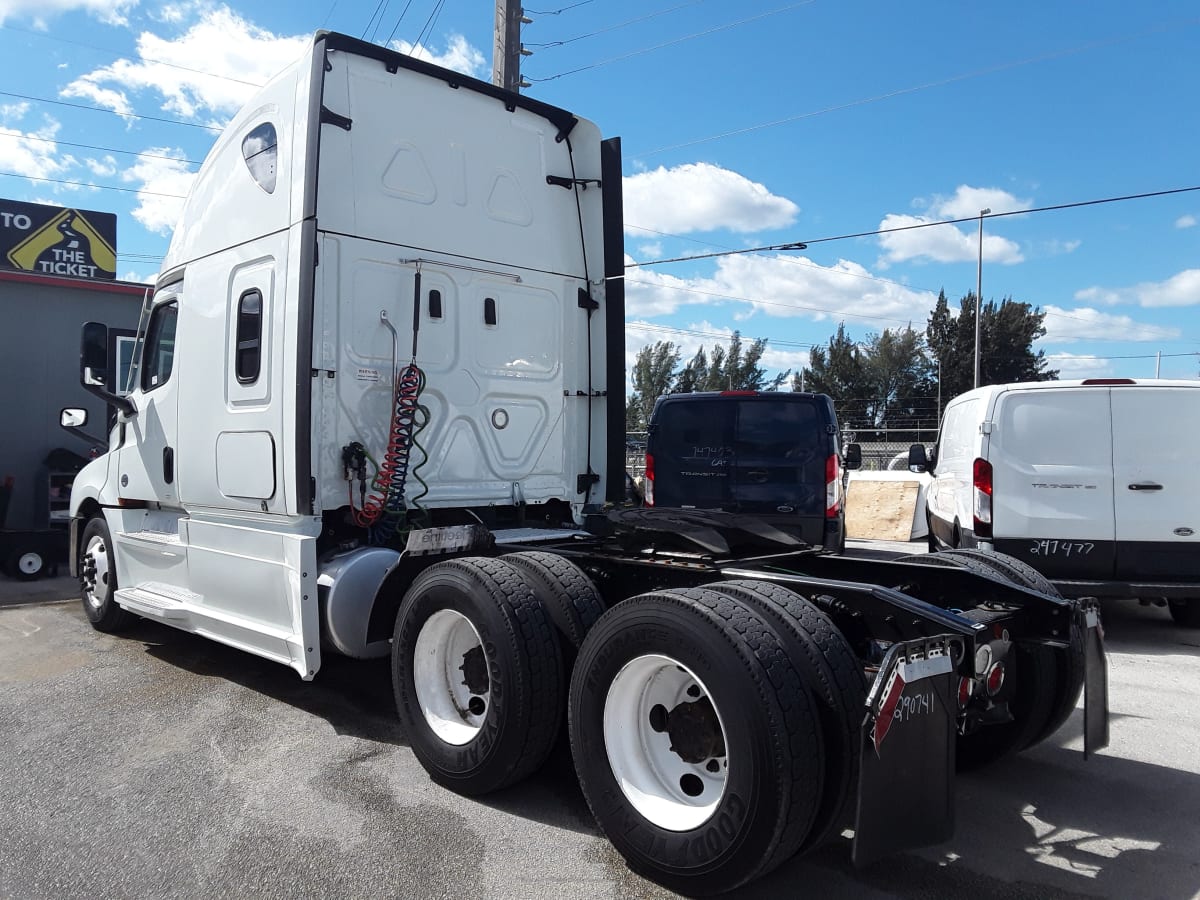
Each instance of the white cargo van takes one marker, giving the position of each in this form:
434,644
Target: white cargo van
1094,483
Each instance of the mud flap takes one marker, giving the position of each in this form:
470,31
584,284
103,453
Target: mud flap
906,785
1095,679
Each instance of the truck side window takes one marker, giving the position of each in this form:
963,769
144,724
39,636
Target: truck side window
248,357
260,148
159,352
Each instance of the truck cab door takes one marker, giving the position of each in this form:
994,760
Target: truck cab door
147,465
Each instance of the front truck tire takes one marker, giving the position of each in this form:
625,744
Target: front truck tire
98,579
695,739
477,674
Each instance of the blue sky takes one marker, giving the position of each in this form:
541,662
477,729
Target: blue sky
743,125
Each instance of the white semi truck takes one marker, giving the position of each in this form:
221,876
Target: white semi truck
376,409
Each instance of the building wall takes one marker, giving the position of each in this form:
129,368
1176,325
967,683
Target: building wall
40,320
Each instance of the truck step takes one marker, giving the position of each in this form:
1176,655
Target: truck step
156,601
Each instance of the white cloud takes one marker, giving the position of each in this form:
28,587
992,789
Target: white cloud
459,55
1185,222
1073,365
1084,323
968,201
780,286
162,183
104,168
703,197
33,154
224,58
13,112
941,243
650,250
1059,248
137,277
1181,289
38,12
950,243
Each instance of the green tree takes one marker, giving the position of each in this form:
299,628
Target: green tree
900,379
653,375
735,368
839,371
1006,335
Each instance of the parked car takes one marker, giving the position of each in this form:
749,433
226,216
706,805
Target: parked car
771,454
1094,483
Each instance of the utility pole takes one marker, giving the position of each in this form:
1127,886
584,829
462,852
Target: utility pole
507,51
979,293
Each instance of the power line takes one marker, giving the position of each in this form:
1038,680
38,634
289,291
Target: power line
101,187
791,260
667,328
111,112
403,12
30,137
556,12
428,26
144,59
378,8
671,43
833,313
1001,67
804,244
662,12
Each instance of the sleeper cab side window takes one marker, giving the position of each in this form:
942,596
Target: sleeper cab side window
248,355
260,149
158,356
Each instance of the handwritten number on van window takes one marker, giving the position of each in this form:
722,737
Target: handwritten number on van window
1061,548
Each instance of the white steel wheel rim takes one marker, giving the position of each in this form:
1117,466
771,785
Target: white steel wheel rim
671,792
96,576
446,644
29,563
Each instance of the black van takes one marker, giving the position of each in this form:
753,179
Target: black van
771,454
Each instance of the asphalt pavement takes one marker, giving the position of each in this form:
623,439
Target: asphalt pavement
161,764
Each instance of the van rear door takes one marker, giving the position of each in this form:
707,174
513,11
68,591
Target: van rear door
1052,480
1157,483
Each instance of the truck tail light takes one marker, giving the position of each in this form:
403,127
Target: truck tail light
964,692
648,483
833,486
995,679
982,471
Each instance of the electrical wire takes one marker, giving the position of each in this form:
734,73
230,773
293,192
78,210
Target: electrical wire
556,12
378,7
30,137
428,26
654,15
101,187
989,70
674,41
111,112
403,12
145,59
804,244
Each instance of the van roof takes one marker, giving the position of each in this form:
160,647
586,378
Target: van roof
1120,383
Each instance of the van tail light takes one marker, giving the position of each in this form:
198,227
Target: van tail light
648,484
833,486
982,471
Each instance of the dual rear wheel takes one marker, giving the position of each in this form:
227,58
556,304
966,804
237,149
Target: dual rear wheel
714,730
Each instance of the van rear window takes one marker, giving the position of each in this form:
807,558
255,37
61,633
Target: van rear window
757,454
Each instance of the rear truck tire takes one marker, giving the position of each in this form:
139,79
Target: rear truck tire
1185,613
1038,694
695,740
565,592
835,676
1069,661
27,563
477,674
98,579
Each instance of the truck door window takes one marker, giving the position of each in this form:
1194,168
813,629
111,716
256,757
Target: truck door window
248,358
159,352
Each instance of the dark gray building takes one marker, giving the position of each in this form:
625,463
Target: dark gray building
40,319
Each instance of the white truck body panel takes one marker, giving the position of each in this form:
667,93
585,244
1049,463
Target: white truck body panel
315,210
